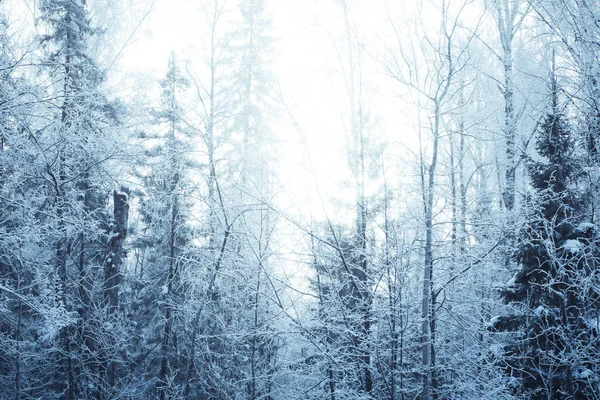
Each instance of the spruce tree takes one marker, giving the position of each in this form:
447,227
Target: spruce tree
165,210
78,146
255,354
338,329
548,334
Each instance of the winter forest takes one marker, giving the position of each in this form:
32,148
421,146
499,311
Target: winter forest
300,200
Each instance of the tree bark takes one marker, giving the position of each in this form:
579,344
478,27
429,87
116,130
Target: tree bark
113,262
427,304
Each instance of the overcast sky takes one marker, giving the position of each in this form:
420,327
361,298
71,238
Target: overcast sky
306,67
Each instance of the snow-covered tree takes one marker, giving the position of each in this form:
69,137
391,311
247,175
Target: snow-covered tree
78,145
552,346
25,310
166,239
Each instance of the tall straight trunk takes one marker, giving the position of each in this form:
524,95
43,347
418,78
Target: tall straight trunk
462,186
364,298
65,333
361,274
392,299
509,130
459,186
173,232
253,361
114,257
210,131
587,55
509,18
453,199
427,305
62,242
168,328
89,326
401,344
321,291
507,14
396,327
112,264
331,382
18,338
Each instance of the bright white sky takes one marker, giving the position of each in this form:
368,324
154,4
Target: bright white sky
308,71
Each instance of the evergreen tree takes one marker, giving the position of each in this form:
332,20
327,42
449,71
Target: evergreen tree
338,330
253,80
551,345
165,210
255,352
78,146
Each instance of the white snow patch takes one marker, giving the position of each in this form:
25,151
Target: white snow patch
493,321
572,245
540,310
496,348
586,373
584,226
512,281
121,193
113,235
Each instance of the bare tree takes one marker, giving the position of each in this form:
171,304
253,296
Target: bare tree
429,65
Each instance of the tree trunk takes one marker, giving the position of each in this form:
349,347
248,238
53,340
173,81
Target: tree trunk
509,131
427,299
168,328
112,264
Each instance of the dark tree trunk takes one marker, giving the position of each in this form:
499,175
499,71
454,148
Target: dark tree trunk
112,264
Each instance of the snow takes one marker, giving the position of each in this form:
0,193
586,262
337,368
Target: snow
586,373
572,245
592,323
512,281
113,235
493,321
125,195
496,348
540,310
584,226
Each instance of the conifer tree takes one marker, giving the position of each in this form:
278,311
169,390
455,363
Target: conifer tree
551,346
165,210
78,146
256,352
339,315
